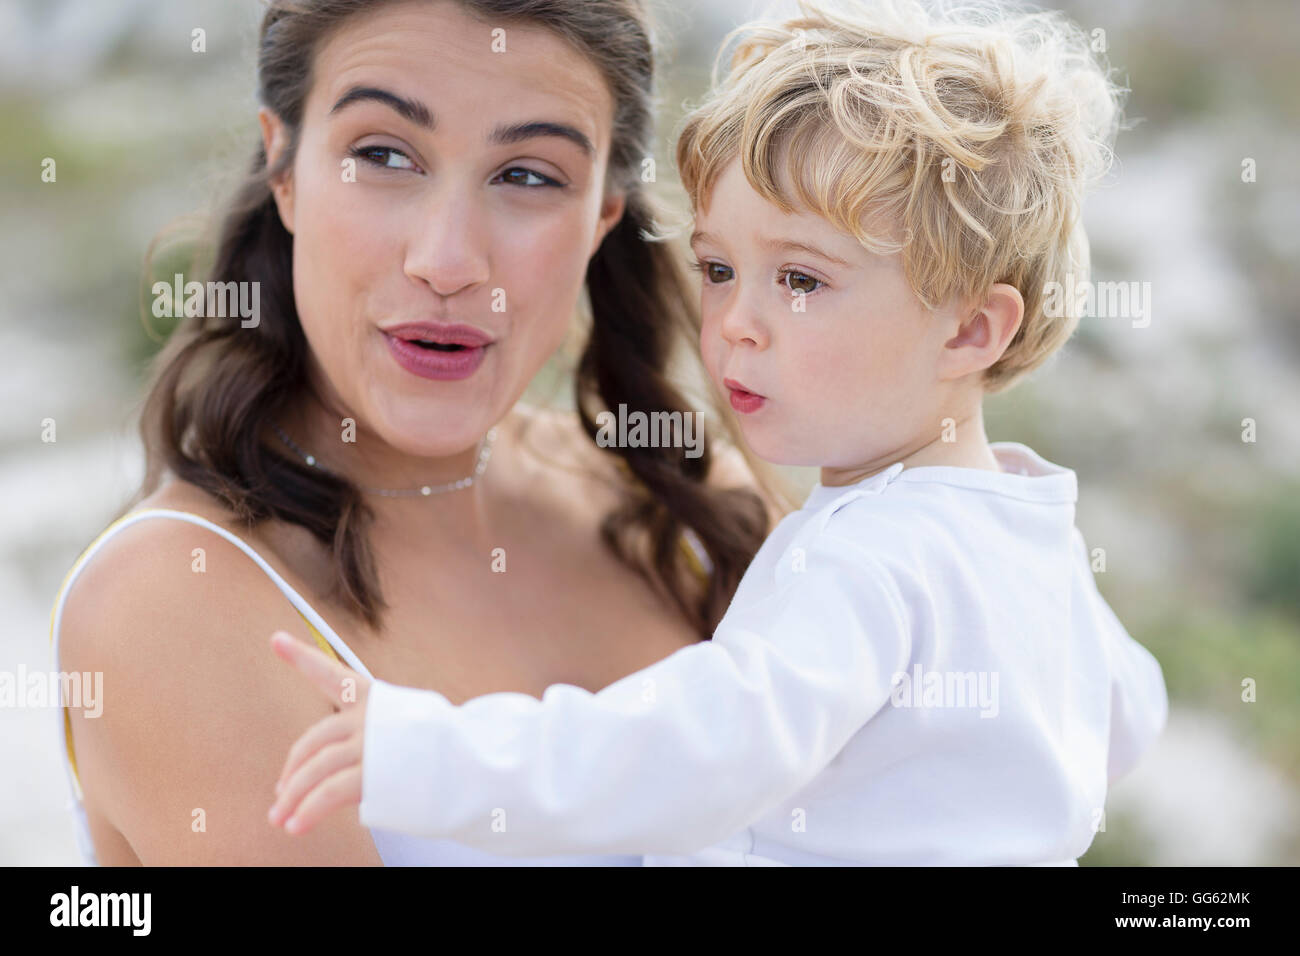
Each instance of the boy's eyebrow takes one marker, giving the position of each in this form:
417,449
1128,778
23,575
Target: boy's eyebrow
801,247
779,244
504,135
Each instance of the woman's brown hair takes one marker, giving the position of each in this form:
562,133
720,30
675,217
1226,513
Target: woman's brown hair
215,384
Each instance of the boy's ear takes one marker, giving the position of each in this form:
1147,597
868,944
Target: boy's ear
274,140
984,334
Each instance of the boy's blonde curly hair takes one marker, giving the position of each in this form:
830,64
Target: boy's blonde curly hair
961,137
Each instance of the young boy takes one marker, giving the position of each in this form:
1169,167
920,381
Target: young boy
917,668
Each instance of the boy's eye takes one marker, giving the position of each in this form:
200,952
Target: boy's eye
800,283
383,156
714,272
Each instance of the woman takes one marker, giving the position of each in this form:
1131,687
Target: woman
436,180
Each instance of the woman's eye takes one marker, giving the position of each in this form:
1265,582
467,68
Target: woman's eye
518,176
383,156
714,272
800,283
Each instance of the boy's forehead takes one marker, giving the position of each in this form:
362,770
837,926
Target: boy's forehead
732,200
733,209
731,187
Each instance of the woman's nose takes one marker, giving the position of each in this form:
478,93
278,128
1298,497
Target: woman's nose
449,243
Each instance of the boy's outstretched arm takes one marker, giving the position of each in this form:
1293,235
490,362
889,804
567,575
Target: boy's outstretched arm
670,759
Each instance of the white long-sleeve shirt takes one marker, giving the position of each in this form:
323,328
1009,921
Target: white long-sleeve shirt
916,669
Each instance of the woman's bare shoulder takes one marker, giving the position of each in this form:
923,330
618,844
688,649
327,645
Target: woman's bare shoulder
149,590
153,573
197,712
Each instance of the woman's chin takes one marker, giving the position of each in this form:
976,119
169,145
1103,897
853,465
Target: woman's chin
434,428
431,440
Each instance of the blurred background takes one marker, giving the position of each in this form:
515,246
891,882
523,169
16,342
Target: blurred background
1200,528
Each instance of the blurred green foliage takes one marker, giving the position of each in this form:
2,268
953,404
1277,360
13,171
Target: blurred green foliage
1271,577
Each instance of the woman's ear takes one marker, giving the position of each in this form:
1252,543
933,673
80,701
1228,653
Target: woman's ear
984,334
274,140
611,211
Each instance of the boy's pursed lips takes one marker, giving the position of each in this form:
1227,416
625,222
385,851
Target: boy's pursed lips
732,384
742,399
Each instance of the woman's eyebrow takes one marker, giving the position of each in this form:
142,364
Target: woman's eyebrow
422,116
413,110
504,135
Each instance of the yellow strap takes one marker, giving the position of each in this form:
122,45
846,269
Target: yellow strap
324,644
694,560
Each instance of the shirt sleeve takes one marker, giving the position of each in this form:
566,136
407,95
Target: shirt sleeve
1139,702
671,759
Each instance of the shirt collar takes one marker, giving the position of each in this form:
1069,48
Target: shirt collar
1025,475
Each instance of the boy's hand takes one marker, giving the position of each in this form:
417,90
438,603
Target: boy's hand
323,769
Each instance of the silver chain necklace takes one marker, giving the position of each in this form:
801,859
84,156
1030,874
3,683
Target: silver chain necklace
484,453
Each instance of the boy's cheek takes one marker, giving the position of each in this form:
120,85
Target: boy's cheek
710,349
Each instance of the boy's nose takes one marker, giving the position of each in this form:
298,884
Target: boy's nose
739,326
